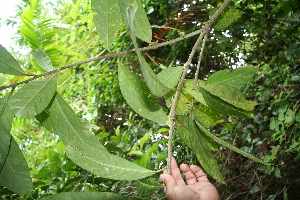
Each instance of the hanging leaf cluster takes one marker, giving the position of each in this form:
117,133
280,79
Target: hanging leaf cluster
199,105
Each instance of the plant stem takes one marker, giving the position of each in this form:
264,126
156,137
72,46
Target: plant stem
203,31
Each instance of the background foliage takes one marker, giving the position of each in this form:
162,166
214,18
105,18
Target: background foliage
263,34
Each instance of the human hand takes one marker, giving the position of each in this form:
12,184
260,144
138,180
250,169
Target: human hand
197,186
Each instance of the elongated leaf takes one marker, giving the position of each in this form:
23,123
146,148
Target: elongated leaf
153,82
182,128
27,28
129,9
203,153
170,76
236,78
147,186
230,95
42,59
222,142
206,115
85,196
15,173
104,164
33,98
184,103
8,64
222,106
139,19
6,117
107,19
84,148
61,119
137,94
197,95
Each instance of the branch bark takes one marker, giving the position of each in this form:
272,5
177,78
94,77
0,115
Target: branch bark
204,30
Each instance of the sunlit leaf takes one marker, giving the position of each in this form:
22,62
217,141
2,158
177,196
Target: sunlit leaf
85,196
230,95
6,118
137,96
15,174
203,153
207,116
27,28
8,64
84,148
222,142
34,97
129,9
184,103
156,86
197,95
236,78
222,106
107,19
42,59
170,76
139,18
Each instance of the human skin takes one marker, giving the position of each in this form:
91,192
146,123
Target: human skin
196,187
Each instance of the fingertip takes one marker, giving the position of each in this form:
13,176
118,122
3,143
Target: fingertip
162,177
184,168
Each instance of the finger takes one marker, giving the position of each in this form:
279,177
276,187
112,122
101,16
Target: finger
199,173
169,181
188,174
175,172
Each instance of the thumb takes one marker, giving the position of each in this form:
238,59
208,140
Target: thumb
168,180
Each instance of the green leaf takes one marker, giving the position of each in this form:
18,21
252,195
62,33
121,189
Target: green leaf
15,174
84,148
182,122
6,118
206,115
129,9
27,28
107,19
236,78
62,120
42,59
147,186
8,64
170,76
222,142
228,18
156,86
85,196
34,97
139,19
102,163
137,94
230,95
184,103
203,153
222,106
3,79
197,95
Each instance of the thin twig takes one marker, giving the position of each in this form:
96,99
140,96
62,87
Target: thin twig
111,55
171,123
200,58
274,19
